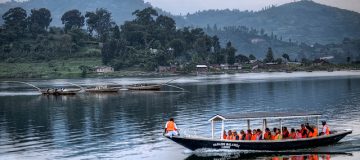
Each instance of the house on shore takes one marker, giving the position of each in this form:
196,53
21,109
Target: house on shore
103,69
201,68
164,69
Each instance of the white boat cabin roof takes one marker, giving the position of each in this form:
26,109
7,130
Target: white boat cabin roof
262,115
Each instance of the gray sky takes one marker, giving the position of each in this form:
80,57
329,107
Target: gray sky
185,6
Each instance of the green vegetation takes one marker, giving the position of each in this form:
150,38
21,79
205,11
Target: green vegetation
49,69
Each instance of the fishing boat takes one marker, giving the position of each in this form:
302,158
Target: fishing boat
60,91
102,89
147,87
196,142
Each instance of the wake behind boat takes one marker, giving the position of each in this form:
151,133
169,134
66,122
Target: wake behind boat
196,142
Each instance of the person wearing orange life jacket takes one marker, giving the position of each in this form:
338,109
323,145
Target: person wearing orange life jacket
267,134
248,135
242,135
229,137
325,129
292,134
224,135
304,131
253,135
171,128
278,135
313,131
298,134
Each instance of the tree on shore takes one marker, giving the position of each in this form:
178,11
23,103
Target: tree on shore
15,21
269,56
230,52
72,19
101,22
252,57
286,56
39,20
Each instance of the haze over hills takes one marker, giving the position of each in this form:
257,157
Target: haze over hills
303,21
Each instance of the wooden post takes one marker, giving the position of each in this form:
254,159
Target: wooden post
263,128
222,129
212,129
248,124
281,127
266,126
317,121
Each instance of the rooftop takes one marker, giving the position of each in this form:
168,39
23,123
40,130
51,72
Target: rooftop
262,115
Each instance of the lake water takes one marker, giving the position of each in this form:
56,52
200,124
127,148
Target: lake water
128,125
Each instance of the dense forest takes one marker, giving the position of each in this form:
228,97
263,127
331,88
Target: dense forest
148,41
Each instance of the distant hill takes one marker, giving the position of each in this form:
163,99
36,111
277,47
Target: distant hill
121,9
302,21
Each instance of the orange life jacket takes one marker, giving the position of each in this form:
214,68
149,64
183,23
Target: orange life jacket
224,136
327,132
267,136
313,134
240,136
170,126
316,133
253,137
302,131
272,137
292,136
277,137
248,136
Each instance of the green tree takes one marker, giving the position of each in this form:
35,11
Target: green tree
15,20
72,19
166,23
178,45
101,22
230,52
252,57
269,56
242,58
286,56
39,20
145,16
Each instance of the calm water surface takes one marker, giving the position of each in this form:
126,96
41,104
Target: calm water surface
128,125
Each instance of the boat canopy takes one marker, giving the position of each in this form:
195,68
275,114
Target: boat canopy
262,115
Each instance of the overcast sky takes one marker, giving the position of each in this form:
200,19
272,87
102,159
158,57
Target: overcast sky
190,6
185,6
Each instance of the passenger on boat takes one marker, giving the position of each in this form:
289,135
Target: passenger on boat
248,135
273,135
325,129
171,128
304,131
298,134
242,135
278,135
285,133
267,135
259,134
229,137
224,135
236,136
292,134
253,135
312,131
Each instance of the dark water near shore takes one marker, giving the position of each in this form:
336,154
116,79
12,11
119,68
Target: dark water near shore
128,125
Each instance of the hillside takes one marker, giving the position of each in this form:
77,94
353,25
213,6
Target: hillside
303,21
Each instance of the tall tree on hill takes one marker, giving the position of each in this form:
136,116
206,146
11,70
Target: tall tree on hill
230,52
145,16
39,20
72,19
101,22
15,20
269,56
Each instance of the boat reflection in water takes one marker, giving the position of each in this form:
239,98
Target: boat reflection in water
274,156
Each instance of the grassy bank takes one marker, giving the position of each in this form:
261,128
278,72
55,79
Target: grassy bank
52,69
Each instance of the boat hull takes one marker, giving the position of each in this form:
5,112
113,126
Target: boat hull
145,88
198,143
59,92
